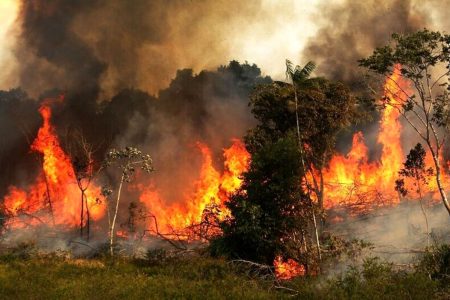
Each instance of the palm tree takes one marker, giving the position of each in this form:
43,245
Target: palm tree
300,78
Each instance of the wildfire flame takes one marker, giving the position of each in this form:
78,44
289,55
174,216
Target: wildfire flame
288,269
54,197
211,188
352,179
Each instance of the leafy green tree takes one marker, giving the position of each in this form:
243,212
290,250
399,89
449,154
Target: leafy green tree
297,126
316,109
126,161
268,213
424,60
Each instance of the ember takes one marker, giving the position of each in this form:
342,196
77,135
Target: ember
287,269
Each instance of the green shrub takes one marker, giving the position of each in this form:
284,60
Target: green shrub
436,263
373,280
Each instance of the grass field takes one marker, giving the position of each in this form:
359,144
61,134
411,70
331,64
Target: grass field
55,278
52,277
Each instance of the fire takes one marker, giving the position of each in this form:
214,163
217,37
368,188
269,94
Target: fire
288,269
352,179
54,197
236,162
354,169
349,179
212,188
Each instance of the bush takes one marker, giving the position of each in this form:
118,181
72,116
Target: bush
373,280
269,209
376,280
436,263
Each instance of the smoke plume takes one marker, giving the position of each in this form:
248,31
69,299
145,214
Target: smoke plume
351,30
112,45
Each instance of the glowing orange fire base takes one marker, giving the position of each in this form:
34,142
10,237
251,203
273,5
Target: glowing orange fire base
54,197
288,269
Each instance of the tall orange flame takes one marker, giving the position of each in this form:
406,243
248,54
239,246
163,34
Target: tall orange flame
211,188
54,196
351,179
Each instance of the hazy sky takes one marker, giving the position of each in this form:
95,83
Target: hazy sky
8,13
282,34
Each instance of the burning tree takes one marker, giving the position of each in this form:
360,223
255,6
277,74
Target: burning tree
315,109
55,187
82,157
126,161
423,59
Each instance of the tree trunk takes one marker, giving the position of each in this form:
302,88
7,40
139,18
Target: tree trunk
49,200
320,200
82,214
316,232
88,217
419,189
113,223
438,179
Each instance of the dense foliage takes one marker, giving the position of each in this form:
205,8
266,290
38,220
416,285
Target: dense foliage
269,211
324,109
272,214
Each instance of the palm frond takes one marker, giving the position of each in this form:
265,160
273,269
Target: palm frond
308,69
289,69
302,74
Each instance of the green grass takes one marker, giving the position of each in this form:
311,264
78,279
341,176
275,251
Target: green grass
373,280
52,277
55,278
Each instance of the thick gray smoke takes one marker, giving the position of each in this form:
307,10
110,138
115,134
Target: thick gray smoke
106,56
399,233
351,30
110,45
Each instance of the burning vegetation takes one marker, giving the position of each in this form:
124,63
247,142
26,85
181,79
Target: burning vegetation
51,199
68,194
267,174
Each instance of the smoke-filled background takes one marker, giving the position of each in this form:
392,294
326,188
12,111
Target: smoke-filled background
157,74
113,45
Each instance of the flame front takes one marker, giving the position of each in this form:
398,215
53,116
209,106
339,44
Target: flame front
349,179
54,197
211,188
352,179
